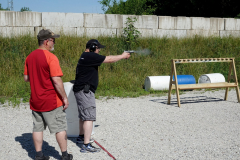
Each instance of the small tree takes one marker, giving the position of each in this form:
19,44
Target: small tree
130,33
25,9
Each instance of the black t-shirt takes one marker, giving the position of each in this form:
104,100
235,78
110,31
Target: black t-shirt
87,71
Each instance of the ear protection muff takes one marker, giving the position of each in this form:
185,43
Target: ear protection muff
93,46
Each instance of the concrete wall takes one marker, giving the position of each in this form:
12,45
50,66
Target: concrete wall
174,23
94,25
20,19
55,19
16,31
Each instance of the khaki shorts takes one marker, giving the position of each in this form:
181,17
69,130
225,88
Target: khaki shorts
55,120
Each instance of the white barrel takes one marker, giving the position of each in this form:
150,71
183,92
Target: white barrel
157,83
72,112
211,78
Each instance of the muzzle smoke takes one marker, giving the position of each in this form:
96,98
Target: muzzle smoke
143,52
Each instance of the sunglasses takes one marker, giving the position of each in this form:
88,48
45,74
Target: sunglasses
53,40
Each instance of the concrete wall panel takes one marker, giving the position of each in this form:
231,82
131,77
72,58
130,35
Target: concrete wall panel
80,32
16,31
204,33
7,18
19,19
94,20
96,32
103,21
229,33
113,21
232,24
216,24
144,22
146,32
28,19
56,19
199,23
169,33
166,22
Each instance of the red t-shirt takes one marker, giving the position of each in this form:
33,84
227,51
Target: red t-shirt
40,66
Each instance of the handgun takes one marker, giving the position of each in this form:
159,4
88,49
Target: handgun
130,51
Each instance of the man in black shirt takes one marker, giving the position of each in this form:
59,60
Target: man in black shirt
86,82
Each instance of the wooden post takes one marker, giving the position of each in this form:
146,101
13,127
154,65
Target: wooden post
236,81
228,80
176,83
170,83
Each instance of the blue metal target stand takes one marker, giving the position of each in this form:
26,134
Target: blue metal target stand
174,82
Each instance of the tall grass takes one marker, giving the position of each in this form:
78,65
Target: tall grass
123,78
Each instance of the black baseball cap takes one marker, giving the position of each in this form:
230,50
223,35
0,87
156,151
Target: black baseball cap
92,41
46,33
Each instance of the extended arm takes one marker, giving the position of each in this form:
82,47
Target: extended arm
112,59
58,84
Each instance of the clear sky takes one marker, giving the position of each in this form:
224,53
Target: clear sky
67,6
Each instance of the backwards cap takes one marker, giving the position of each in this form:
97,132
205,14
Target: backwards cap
94,41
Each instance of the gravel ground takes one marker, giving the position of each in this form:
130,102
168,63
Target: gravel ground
143,128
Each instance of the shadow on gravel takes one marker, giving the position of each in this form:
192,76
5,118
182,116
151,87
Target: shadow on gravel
27,143
186,100
74,140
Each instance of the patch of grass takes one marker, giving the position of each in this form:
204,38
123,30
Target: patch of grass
208,89
25,96
126,77
2,100
14,101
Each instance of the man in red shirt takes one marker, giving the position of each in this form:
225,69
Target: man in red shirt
48,100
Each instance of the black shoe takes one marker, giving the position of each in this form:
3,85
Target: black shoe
81,140
42,158
68,157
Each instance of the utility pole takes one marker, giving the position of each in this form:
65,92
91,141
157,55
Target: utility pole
10,5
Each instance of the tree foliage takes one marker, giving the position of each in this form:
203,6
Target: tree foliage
133,7
2,9
189,8
7,9
25,9
197,8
